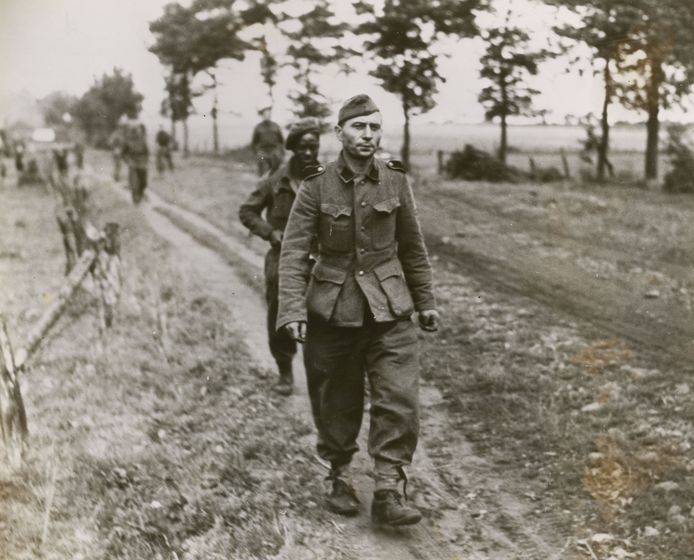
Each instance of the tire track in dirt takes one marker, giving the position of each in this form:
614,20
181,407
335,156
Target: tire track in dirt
445,537
608,306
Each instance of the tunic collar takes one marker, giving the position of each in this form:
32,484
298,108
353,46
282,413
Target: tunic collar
346,174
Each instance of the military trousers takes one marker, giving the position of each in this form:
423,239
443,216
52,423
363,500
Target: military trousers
282,346
137,179
338,361
117,160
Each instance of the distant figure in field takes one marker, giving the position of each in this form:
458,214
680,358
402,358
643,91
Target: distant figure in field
136,154
78,151
164,147
274,196
267,143
116,142
19,155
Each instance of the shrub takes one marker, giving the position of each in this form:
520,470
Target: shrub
680,178
473,164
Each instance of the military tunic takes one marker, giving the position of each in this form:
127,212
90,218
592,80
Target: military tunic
372,272
274,196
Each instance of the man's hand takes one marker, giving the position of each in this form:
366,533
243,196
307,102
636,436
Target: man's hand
276,238
297,330
429,320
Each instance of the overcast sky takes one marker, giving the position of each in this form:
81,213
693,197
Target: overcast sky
49,45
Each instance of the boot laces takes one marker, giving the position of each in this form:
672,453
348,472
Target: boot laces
403,477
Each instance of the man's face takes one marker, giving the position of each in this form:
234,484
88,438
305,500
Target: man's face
265,114
360,136
306,149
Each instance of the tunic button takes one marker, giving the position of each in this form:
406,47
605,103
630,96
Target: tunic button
363,204
362,250
362,228
361,273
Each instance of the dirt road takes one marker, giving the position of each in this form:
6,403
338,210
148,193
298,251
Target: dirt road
541,437
444,535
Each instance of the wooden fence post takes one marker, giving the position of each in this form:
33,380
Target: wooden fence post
565,164
13,420
107,275
87,251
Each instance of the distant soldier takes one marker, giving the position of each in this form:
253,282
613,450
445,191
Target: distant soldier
136,154
275,196
164,147
19,155
267,143
116,142
354,308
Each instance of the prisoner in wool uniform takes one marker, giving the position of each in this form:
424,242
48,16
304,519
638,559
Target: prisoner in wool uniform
372,272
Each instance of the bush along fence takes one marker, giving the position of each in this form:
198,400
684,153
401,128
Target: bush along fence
473,164
92,262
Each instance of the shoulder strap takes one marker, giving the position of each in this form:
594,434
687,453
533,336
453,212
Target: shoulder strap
313,171
396,165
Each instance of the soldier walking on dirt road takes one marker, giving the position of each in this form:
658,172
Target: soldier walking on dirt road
116,142
136,154
275,195
267,143
164,147
353,309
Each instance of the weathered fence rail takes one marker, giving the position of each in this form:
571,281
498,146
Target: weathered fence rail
89,253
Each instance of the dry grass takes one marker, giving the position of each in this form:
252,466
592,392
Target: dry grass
167,444
601,355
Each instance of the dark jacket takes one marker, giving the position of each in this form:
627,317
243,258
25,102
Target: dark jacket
135,149
371,250
274,196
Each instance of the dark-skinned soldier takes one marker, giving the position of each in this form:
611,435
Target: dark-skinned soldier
353,310
274,196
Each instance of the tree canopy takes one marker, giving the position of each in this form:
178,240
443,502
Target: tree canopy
506,65
107,100
401,37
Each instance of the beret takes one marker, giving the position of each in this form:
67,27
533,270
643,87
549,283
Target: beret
299,128
356,106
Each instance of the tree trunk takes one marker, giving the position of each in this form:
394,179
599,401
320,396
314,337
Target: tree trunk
604,144
503,145
173,133
215,127
185,137
405,152
653,124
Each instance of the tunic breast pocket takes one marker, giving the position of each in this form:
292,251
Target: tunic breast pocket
336,227
383,221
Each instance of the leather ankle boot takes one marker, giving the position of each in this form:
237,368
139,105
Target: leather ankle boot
389,508
285,384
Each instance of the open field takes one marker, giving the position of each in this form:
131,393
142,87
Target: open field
556,419
543,143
